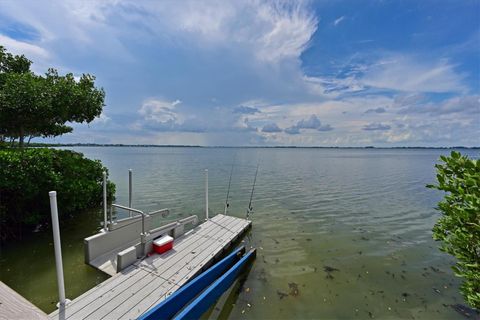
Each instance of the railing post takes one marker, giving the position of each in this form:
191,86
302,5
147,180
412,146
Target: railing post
130,190
105,201
143,235
58,248
206,194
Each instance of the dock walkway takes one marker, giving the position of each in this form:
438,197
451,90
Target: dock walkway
133,291
13,306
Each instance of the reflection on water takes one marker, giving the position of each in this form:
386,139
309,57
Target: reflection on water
340,233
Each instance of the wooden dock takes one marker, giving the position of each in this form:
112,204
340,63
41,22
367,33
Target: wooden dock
13,306
133,291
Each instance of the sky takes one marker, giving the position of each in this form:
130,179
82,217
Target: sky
263,73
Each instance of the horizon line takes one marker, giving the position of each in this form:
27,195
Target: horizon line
36,144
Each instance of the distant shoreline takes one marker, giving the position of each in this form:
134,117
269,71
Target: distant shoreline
36,145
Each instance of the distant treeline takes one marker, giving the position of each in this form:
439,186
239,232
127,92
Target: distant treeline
35,144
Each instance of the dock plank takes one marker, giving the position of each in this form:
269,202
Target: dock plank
13,306
138,288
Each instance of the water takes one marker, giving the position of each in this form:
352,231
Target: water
340,233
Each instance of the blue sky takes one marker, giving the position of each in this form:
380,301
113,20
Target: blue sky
319,73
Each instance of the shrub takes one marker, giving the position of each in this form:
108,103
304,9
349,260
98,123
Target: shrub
26,177
459,226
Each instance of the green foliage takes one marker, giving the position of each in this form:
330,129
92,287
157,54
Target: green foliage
26,177
459,226
33,105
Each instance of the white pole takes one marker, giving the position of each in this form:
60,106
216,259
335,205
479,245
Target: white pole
105,201
57,246
206,194
130,190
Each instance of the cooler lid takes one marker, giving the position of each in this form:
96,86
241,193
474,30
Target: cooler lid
163,240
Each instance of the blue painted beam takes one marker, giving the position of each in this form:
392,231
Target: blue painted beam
201,304
175,302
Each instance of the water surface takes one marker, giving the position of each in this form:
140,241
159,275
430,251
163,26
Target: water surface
340,233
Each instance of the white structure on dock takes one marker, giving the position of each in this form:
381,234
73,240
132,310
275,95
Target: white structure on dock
136,289
140,280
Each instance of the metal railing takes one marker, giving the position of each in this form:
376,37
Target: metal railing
131,210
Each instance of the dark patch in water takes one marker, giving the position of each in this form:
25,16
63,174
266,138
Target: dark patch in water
294,292
329,269
436,270
281,294
466,311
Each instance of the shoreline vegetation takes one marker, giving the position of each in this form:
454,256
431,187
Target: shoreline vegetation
30,173
33,105
38,145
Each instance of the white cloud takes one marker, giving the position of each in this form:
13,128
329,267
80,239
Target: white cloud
463,106
338,20
271,31
404,73
31,51
160,110
239,51
102,119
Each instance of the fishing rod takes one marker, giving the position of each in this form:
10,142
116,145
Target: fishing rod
228,190
250,208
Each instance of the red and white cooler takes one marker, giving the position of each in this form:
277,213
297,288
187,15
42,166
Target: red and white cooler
163,244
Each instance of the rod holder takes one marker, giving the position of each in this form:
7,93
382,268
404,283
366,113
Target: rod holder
206,194
58,249
105,227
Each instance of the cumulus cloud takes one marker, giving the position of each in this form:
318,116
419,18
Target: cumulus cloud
292,130
310,123
159,110
271,128
325,127
102,119
248,55
376,126
245,126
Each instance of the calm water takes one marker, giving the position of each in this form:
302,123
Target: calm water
340,233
